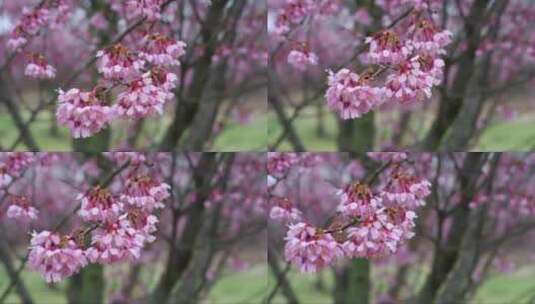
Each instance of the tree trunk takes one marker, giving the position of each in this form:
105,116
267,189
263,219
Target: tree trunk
451,105
95,144
465,126
5,258
181,253
358,290
445,256
456,287
281,279
186,108
356,135
87,287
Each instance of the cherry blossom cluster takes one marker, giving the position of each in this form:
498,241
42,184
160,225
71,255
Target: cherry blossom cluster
300,59
145,8
146,95
278,164
294,12
369,222
144,89
375,216
160,50
310,248
39,68
283,210
55,256
32,21
20,209
388,156
119,226
12,164
84,113
411,61
417,5
351,95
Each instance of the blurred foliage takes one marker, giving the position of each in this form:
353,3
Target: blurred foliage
517,135
234,137
517,287
234,287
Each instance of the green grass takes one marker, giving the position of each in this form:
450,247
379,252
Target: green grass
40,130
245,287
250,287
242,287
515,135
235,137
513,288
40,292
305,289
306,129
517,287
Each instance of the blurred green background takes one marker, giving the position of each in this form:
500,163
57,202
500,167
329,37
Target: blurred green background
234,137
249,286
515,135
512,288
233,288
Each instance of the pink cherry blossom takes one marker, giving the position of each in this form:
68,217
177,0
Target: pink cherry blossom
145,8
357,200
16,162
428,39
144,192
351,95
5,178
135,158
82,112
414,79
17,39
388,156
98,204
387,48
55,257
116,241
300,60
160,50
278,163
20,209
118,63
143,222
420,4
407,191
381,233
39,68
22,212
34,19
146,95
310,249
282,210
